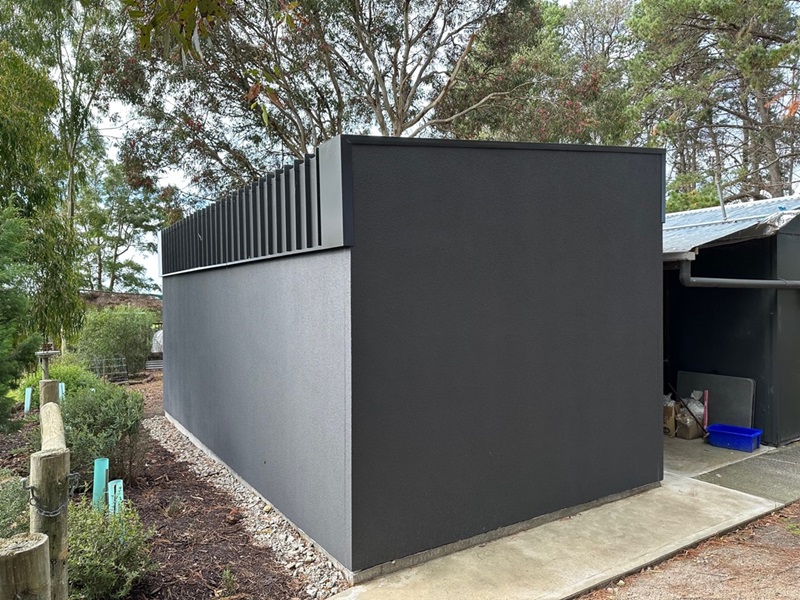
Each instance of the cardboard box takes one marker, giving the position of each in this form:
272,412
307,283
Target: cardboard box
669,420
688,431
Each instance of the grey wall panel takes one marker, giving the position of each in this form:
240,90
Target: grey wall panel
506,337
257,368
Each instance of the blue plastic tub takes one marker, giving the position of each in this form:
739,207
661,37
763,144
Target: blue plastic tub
732,437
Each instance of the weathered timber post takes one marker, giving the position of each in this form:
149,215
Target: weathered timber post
25,567
48,391
49,487
49,481
52,425
48,388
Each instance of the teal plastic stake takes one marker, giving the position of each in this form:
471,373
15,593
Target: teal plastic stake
62,389
100,483
28,392
115,496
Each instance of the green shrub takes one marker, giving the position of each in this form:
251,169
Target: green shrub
108,553
104,421
7,404
117,332
13,505
69,370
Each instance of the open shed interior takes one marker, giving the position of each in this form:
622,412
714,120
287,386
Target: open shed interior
737,332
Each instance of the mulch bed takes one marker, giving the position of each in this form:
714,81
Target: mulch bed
16,446
200,545
199,535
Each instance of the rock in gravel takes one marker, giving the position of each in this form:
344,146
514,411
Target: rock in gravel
321,578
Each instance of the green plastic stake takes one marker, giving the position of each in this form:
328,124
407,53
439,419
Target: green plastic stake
115,496
100,483
28,392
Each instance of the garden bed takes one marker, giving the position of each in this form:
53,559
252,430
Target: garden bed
214,537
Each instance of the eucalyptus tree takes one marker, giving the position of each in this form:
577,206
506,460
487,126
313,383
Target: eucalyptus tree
113,219
28,160
272,80
76,44
79,43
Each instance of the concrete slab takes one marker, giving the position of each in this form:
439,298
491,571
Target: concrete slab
691,458
775,475
564,558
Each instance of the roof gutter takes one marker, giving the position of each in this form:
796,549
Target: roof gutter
724,282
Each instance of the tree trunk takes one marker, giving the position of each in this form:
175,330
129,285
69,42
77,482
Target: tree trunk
770,149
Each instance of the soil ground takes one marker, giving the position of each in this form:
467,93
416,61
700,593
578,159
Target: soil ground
199,543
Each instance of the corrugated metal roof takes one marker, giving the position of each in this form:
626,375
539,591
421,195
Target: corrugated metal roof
684,231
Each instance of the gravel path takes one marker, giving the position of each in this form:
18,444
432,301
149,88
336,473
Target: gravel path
268,528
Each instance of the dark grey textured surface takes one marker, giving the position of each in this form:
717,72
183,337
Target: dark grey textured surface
506,337
256,366
787,335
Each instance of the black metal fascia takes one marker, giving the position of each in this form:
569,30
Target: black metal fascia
725,282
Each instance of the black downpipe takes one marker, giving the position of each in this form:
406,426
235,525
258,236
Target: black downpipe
724,282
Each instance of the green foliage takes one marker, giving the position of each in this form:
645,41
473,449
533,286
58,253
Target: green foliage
13,505
108,553
54,282
277,79
27,100
7,405
113,218
687,192
104,421
175,24
100,418
69,370
228,585
16,349
553,73
117,332
717,82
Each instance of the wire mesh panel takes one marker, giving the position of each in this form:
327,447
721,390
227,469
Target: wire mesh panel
111,369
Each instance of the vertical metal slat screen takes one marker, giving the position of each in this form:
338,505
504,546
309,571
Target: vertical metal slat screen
275,215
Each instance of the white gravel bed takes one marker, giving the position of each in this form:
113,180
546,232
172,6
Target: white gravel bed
268,527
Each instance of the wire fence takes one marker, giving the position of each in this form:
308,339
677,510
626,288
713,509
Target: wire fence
111,369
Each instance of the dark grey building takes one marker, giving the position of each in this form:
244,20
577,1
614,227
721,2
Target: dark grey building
742,316
406,343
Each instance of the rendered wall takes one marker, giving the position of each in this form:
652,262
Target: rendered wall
256,366
506,311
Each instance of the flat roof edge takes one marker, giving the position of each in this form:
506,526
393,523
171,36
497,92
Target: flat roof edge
370,140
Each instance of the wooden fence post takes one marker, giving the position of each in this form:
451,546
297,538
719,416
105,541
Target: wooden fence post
52,426
48,391
25,567
49,480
